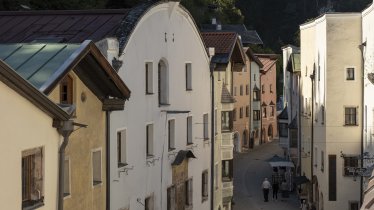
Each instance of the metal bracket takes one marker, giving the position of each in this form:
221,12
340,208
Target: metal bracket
152,161
172,154
125,170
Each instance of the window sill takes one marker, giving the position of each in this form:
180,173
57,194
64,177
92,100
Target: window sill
205,198
189,143
171,149
188,89
121,165
67,195
161,104
188,207
149,93
350,125
206,138
150,156
96,183
34,205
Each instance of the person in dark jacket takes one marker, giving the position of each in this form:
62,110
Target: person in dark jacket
276,180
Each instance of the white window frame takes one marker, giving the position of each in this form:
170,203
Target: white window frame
189,130
171,134
357,115
123,161
346,73
206,126
149,141
188,68
101,167
149,75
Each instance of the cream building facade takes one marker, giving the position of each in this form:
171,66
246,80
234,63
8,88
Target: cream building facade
331,79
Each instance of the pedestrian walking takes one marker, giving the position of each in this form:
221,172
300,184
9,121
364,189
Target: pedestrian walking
284,189
265,188
276,180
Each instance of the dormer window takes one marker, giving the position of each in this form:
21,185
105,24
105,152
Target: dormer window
66,90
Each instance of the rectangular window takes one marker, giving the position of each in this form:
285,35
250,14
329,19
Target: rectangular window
322,161
263,88
247,111
332,177
256,114
226,121
323,114
350,116
350,75
241,112
149,78
188,76
215,121
216,176
32,178
234,91
272,111
270,88
171,198
315,161
189,130
349,164
256,95
189,192
354,205
66,90
227,170
293,143
283,129
121,148
254,77
149,140
264,113
241,90
96,167
234,115
204,185
66,177
171,135
148,203
247,89
206,126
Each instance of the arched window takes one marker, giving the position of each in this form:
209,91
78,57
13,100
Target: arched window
270,131
163,84
66,90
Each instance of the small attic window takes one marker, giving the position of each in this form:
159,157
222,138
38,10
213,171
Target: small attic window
66,90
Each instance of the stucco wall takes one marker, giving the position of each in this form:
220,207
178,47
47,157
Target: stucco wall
24,127
256,105
182,45
79,150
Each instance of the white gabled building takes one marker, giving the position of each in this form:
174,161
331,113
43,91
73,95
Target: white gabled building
161,143
331,80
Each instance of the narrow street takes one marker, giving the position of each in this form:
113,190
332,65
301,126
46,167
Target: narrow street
249,171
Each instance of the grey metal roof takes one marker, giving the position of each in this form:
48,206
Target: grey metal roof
36,63
44,65
226,96
182,154
247,36
284,114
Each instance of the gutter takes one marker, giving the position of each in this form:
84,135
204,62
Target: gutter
361,46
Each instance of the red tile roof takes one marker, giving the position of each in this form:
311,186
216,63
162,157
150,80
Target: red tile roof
71,26
268,60
223,42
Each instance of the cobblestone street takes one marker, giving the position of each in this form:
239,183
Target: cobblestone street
249,171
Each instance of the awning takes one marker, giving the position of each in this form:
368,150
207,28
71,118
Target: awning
277,161
182,154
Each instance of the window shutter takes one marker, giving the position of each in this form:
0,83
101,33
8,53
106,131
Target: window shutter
332,177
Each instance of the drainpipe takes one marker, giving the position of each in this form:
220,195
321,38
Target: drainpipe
107,144
299,125
312,77
65,130
362,46
212,67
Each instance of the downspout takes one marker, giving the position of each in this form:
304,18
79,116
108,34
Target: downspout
107,144
312,77
212,67
299,125
361,46
65,130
